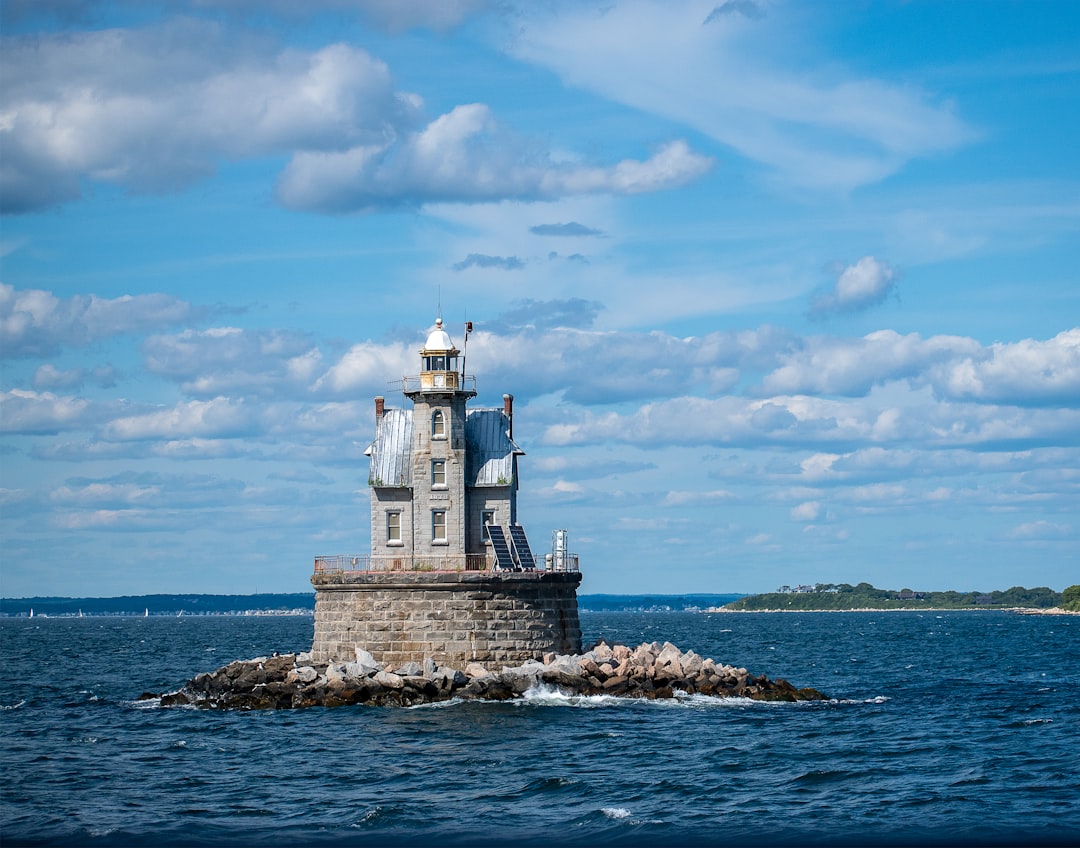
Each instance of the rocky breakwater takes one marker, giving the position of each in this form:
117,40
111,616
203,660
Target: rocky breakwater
651,670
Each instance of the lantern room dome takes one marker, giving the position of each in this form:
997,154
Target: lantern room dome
438,340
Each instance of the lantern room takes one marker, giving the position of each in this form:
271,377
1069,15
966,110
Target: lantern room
439,362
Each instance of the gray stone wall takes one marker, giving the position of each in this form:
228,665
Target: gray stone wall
453,618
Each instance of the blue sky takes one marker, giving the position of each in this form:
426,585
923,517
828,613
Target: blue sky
785,292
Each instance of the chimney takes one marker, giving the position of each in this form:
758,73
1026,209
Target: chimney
508,411
379,408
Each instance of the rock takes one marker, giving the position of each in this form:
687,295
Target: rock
475,669
650,670
388,680
692,664
366,661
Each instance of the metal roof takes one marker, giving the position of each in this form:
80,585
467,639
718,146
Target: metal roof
489,450
392,449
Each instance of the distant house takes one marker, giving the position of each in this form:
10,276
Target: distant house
908,595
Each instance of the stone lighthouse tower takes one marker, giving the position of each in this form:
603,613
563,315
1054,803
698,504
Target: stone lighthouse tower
451,575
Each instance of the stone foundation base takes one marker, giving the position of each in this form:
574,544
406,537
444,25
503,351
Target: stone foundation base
453,619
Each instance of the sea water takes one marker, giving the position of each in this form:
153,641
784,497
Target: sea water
944,728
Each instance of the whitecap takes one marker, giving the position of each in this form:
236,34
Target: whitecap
12,706
544,694
616,812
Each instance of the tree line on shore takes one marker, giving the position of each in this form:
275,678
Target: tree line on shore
844,596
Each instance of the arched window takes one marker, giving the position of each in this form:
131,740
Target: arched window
438,425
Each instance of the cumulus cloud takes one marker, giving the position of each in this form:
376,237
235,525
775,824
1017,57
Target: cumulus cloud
217,418
367,366
230,360
808,511
36,323
821,422
480,260
844,366
466,156
42,412
862,285
1027,372
119,123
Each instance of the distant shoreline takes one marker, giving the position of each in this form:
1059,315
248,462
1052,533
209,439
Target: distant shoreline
1018,610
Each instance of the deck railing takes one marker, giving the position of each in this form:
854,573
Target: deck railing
419,562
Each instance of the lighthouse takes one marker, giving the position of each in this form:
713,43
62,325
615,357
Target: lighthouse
451,575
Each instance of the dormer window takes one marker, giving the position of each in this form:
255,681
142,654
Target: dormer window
438,424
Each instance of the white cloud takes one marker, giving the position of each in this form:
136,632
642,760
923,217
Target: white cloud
731,421
217,418
35,322
41,412
466,156
1026,372
119,124
841,366
1040,530
229,360
808,511
825,127
369,366
356,142
866,283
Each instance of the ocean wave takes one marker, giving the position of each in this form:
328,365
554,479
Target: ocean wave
12,706
616,812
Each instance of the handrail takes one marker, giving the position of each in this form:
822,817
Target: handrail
466,382
418,562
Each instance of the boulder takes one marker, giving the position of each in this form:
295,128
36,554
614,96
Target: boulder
651,670
388,680
475,669
367,662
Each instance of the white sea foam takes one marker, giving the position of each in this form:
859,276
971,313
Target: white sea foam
616,812
12,706
544,694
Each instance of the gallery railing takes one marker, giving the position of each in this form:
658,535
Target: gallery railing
421,562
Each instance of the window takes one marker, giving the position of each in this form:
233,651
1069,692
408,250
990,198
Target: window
393,528
438,472
486,517
438,525
438,425
438,363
